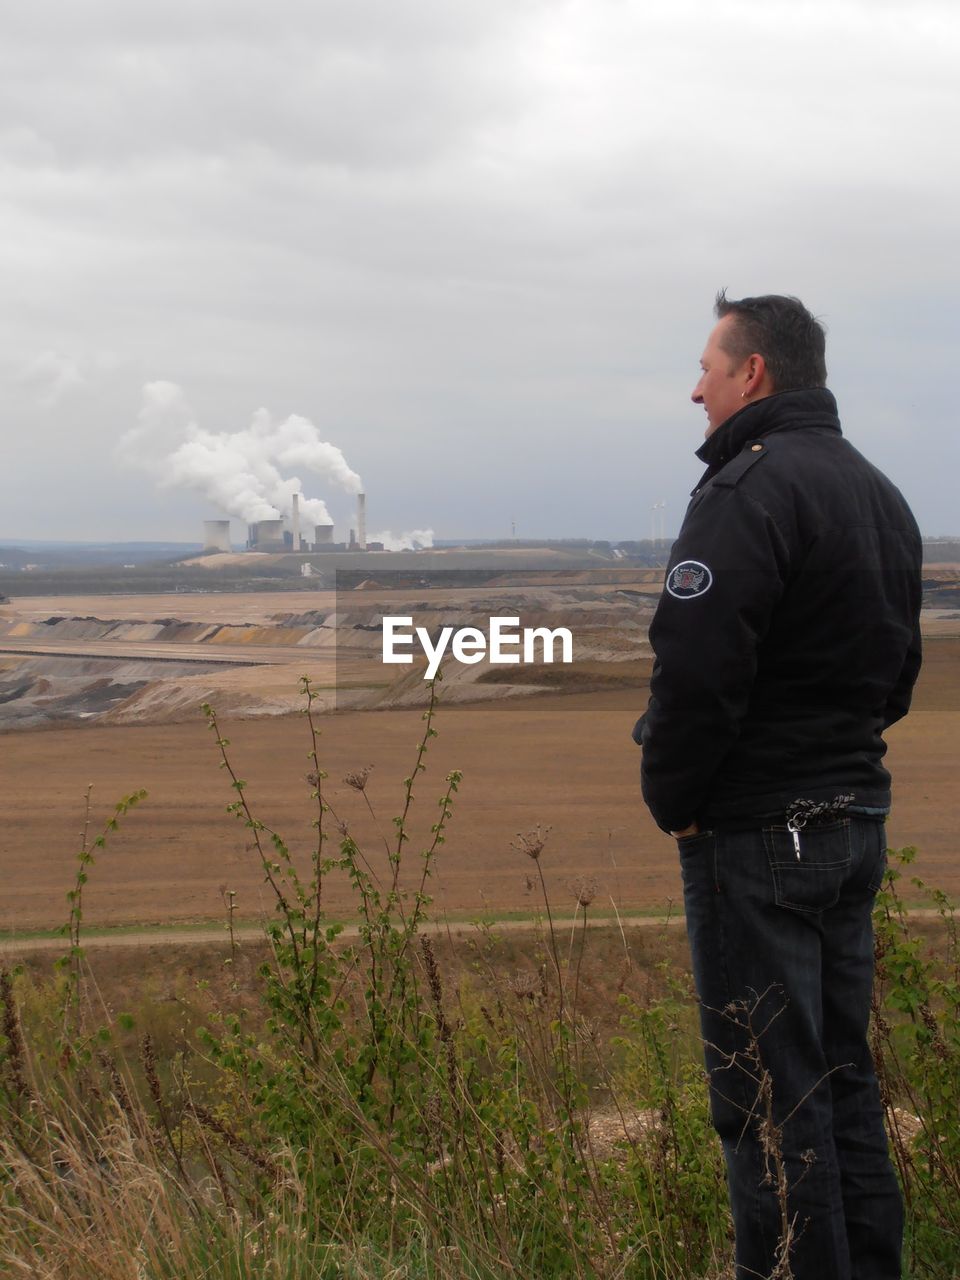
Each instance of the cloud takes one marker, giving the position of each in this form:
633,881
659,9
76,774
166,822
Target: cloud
480,238
53,376
410,540
244,473
344,85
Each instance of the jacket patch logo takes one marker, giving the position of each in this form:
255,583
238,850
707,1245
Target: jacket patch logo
688,579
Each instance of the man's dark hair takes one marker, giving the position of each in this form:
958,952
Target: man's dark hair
781,330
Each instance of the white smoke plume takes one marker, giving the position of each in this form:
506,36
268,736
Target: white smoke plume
414,540
245,473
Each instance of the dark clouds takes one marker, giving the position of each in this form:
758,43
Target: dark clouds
475,242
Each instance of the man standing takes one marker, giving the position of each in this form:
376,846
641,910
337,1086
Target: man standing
786,639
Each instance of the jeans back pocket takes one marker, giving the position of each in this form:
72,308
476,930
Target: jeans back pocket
810,880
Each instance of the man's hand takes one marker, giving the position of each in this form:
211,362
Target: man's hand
692,830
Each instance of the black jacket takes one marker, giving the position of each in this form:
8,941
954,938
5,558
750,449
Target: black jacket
787,636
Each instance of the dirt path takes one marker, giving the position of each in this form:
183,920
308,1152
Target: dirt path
247,933
254,933
219,655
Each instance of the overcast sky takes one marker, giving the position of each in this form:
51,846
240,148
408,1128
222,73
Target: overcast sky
474,242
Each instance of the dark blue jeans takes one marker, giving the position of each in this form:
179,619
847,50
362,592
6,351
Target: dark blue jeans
783,962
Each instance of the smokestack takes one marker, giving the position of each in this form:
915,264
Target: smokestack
295,522
216,535
362,521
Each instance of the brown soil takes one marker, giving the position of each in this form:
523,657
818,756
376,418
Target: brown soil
563,761
232,658
223,607
258,607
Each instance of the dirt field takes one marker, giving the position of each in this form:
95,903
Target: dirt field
262,606
563,761
137,660
226,607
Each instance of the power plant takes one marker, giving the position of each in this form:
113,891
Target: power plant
271,536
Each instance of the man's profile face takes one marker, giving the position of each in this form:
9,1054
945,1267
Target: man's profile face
722,380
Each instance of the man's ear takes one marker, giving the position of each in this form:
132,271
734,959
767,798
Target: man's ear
757,377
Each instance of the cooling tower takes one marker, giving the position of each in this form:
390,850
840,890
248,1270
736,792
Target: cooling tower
269,535
322,535
362,521
216,535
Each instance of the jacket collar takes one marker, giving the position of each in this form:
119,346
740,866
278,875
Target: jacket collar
783,411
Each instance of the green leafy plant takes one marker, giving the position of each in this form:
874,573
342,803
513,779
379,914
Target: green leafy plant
916,1046
355,1113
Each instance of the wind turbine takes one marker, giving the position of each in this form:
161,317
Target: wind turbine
657,521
